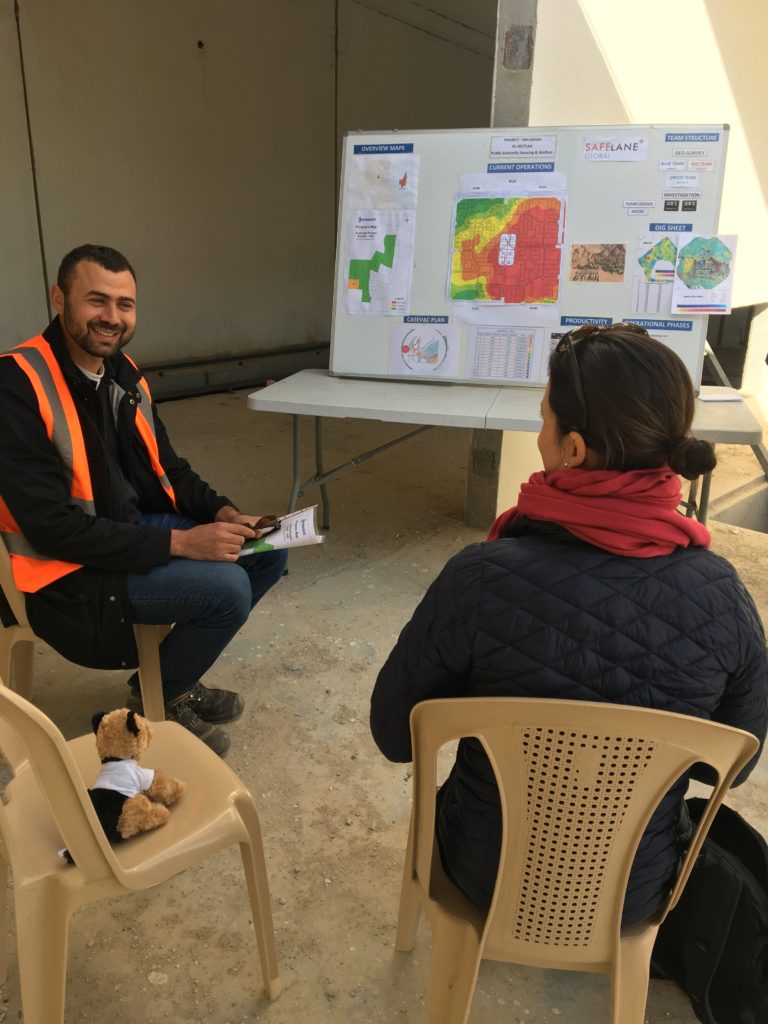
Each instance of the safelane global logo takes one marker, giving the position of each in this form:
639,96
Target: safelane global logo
615,147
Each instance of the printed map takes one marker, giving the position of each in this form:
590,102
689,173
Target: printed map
360,270
506,249
704,263
664,251
380,262
384,182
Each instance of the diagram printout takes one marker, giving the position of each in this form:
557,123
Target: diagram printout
601,263
379,262
506,249
703,274
655,258
504,353
424,350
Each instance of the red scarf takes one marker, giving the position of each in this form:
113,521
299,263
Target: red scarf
626,513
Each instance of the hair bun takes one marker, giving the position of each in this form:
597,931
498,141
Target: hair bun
691,457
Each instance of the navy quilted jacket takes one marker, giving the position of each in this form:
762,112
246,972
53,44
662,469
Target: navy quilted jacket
543,614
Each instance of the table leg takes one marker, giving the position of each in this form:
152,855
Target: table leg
706,483
691,505
319,471
296,465
321,476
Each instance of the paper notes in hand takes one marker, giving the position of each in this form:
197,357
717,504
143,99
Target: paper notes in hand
293,530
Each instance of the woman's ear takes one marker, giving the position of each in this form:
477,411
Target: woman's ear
574,449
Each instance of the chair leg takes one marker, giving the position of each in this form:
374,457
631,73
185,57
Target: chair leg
6,656
148,639
3,921
452,976
631,975
23,668
42,925
410,901
255,868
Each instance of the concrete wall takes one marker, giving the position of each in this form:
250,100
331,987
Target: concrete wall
22,289
201,137
599,62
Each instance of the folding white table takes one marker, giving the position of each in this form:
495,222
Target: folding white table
316,393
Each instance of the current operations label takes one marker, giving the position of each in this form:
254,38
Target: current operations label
515,167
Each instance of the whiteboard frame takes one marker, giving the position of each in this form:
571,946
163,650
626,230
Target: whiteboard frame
361,344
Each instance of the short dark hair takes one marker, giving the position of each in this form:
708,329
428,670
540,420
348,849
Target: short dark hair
639,401
109,259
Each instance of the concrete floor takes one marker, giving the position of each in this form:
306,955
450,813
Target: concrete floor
334,812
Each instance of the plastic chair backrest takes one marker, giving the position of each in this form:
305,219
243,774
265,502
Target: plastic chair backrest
23,727
578,783
148,640
13,595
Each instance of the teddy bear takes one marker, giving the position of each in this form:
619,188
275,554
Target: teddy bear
129,799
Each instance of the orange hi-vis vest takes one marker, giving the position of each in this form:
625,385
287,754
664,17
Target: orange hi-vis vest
31,569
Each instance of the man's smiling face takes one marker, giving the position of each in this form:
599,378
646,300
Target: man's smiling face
98,313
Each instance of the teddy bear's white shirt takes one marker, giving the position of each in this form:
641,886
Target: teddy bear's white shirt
124,777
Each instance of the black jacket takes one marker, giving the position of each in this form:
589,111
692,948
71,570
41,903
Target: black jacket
85,615
542,614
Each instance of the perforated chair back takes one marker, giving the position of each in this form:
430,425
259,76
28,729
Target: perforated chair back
578,783
17,648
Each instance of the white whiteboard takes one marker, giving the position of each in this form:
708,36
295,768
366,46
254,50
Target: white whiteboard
422,294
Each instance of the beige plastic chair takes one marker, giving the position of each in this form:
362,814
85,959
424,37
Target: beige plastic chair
17,648
46,807
578,783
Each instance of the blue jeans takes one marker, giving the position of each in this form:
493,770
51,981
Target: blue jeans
207,601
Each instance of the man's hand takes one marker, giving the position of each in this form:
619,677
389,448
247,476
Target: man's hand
227,514
211,542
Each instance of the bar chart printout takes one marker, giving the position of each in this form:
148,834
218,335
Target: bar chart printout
502,353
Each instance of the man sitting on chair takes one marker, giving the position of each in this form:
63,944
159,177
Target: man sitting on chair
105,524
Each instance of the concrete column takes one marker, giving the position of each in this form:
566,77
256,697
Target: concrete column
515,36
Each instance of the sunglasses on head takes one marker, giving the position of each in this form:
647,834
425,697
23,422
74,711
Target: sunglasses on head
566,344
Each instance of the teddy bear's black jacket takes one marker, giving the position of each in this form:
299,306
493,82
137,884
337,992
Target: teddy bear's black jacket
542,614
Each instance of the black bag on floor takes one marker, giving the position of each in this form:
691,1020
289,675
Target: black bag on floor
714,944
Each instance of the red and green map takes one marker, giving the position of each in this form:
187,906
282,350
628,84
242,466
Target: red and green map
506,249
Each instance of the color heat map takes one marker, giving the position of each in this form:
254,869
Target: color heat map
506,250
704,263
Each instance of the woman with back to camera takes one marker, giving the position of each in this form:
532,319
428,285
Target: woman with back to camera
593,588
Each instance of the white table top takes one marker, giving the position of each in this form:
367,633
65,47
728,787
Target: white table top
316,393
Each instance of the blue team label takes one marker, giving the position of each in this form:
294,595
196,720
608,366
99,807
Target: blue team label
664,226
662,325
692,137
516,167
576,321
425,319
385,147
